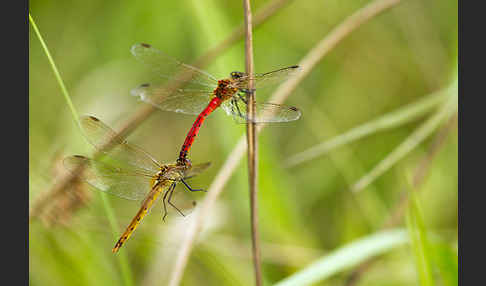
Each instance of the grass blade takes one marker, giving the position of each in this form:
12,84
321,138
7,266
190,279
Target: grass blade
56,72
347,256
446,259
419,243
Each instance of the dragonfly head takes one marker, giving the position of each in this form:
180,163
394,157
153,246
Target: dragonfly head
237,74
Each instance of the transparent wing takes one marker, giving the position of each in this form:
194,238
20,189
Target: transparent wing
103,138
177,173
265,112
185,202
196,169
127,184
266,79
188,101
168,68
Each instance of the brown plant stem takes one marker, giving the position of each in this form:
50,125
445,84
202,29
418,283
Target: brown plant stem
279,96
251,138
141,114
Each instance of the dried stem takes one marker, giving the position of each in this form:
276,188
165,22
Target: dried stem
146,110
251,137
421,171
279,96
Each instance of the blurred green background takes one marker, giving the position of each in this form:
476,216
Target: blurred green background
306,210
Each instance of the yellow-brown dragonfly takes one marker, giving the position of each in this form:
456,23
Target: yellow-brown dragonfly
129,172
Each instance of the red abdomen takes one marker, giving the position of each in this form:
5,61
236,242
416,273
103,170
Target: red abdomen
213,104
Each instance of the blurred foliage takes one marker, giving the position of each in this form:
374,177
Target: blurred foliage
307,210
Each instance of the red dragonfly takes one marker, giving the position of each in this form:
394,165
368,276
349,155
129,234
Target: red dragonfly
203,93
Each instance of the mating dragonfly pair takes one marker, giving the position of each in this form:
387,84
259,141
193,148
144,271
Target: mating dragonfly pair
126,169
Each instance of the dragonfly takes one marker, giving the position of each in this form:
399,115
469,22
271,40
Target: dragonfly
203,93
129,172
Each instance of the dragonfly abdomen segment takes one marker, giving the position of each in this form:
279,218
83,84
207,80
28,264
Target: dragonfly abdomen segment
148,202
213,104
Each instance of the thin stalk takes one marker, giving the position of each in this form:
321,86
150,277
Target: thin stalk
126,273
252,145
279,96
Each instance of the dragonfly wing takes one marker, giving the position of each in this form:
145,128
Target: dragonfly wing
236,109
227,106
183,200
265,112
127,184
188,101
267,79
196,169
168,68
102,137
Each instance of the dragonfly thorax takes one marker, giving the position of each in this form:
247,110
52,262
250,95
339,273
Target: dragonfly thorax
159,176
225,90
172,172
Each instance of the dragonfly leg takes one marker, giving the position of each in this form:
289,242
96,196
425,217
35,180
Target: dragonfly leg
171,188
237,108
191,189
170,203
243,97
246,90
233,106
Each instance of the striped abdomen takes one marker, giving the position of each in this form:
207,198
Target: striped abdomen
213,104
147,203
